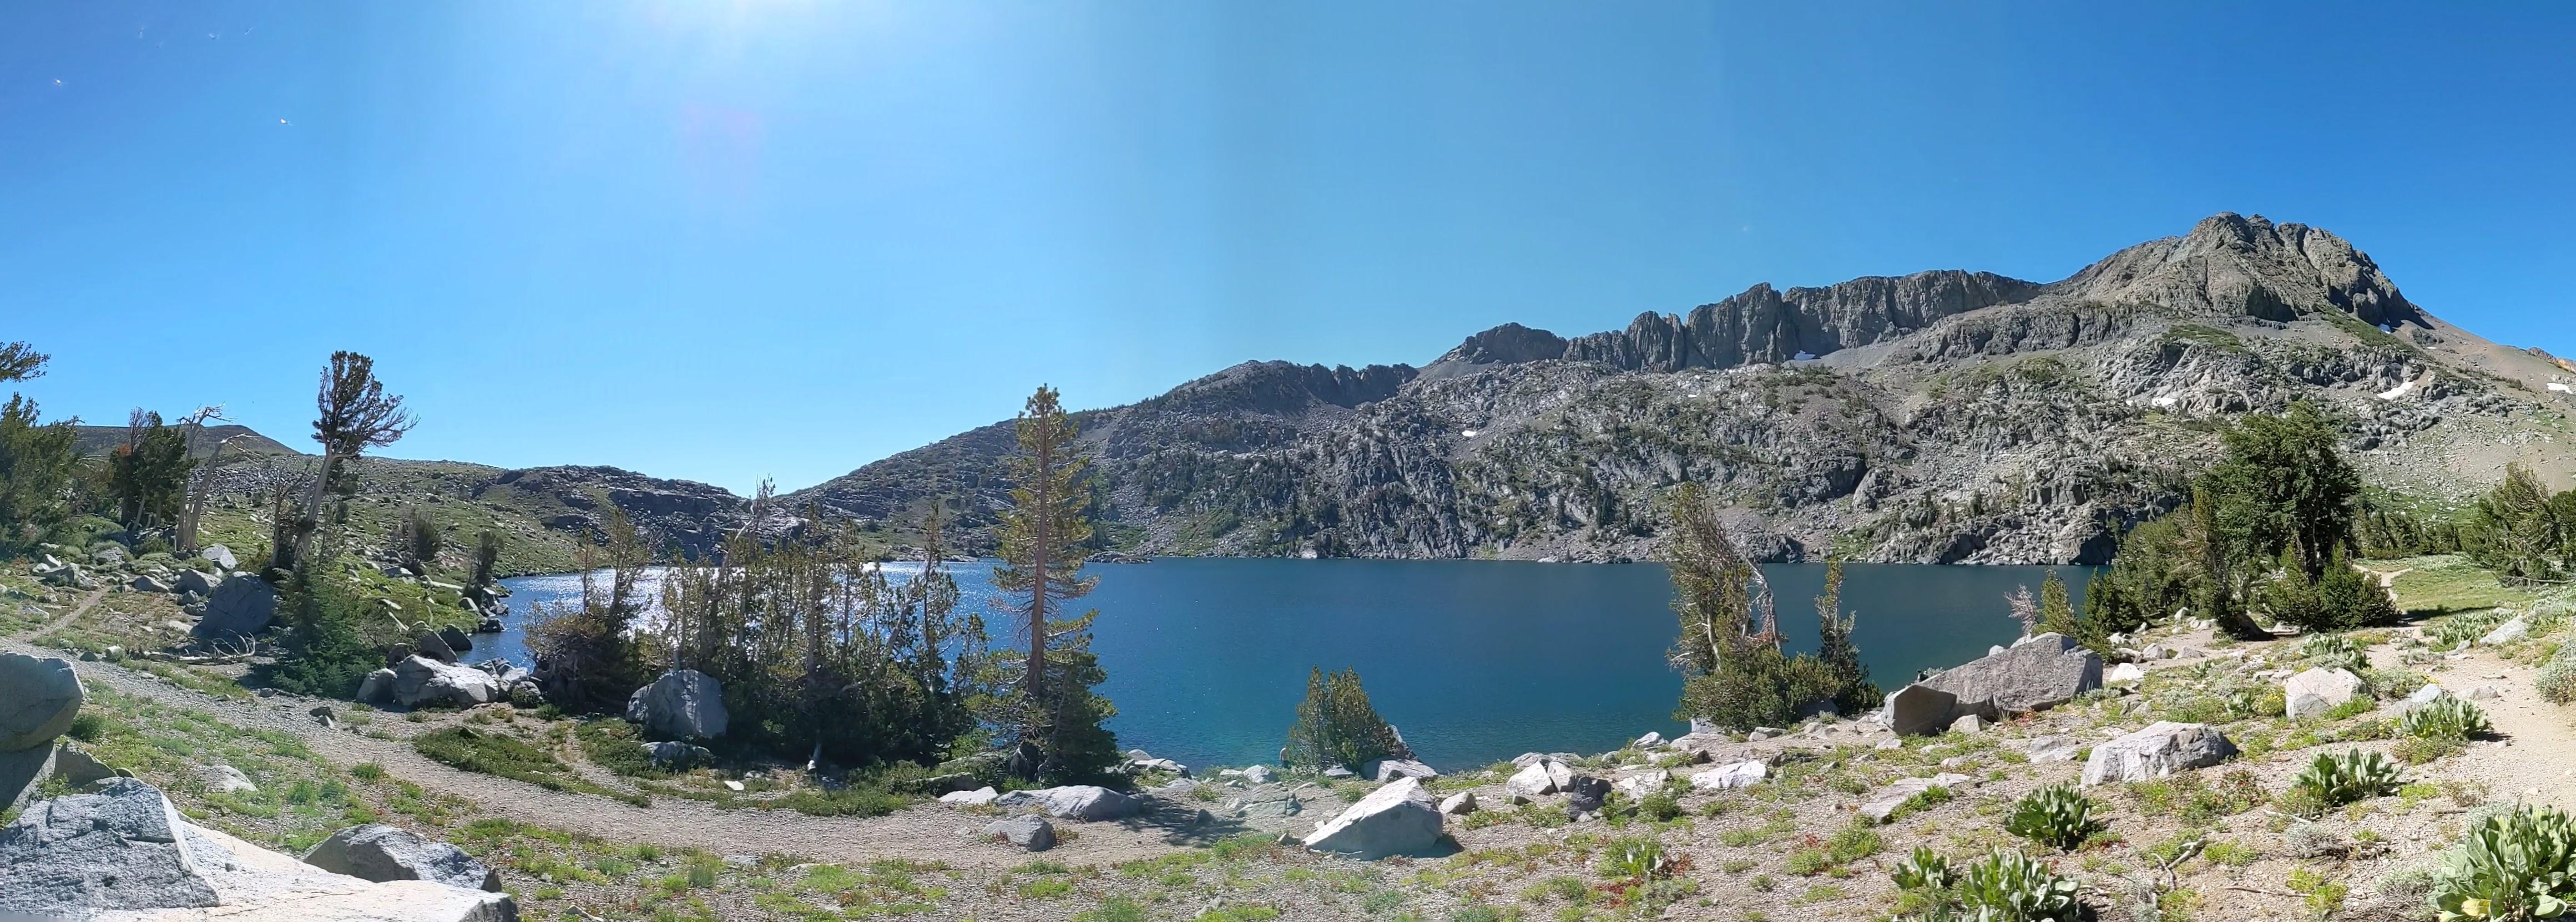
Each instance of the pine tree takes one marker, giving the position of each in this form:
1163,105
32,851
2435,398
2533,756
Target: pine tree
148,473
1337,726
1734,672
1835,649
353,414
1043,536
2284,486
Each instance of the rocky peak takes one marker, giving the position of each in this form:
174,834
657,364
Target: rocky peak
1284,388
1509,343
1764,324
2231,265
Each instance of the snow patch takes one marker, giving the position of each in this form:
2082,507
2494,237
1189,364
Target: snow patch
2561,388
1802,357
2167,400
2398,391
1471,433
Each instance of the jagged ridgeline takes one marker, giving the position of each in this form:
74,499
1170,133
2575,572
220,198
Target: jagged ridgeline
1937,417
1945,416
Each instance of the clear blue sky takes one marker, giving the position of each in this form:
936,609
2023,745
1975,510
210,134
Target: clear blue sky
733,238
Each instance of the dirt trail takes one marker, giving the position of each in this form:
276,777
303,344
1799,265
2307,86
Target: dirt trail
2535,758
924,832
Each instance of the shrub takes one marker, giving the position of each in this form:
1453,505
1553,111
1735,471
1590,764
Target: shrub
1636,858
2444,719
2515,866
1660,806
2334,651
2556,680
1336,725
2056,816
2333,781
2008,885
1924,870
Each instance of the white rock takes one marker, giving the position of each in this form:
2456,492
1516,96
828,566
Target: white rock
1650,740
1885,800
1385,770
1397,819
225,779
2317,691
2157,751
681,704
2508,632
1736,775
1639,785
388,853
1081,802
975,798
1968,723
1459,804
2125,674
2484,692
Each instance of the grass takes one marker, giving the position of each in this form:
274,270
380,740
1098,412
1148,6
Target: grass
505,756
2449,583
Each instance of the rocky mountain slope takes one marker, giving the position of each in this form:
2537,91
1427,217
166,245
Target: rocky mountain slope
1943,416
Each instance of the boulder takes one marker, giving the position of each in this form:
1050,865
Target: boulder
975,798
2317,691
1968,723
221,556
39,698
1033,833
76,767
225,779
123,848
1727,777
456,640
2508,632
2126,674
1643,783
1586,794
682,704
1082,803
2425,695
1259,774
386,853
2159,750
1651,740
198,581
419,680
2483,693
1884,801
109,555
1385,770
2036,673
376,686
433,645
1920,709
1459,804
147,583
1142,766
241,607
1533,781
1397,819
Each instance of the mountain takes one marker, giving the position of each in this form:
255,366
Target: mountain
1943,416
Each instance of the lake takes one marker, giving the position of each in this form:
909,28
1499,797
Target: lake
1476,661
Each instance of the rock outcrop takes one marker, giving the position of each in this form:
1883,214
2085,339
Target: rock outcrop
1032,833
2317,691
1399,818
123,848
39,699
241,607
2161,749
2034,674
683,704
1081,803
419,680
387,853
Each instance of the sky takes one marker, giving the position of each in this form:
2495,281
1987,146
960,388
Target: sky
734,239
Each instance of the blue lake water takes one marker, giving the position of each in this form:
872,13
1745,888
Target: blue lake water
1476,661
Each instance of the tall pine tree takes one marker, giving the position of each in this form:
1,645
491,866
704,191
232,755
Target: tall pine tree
1043,537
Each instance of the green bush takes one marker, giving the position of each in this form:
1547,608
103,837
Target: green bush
1924,870
1635,858
2056,816
2556,680
2009,886
1336,725
2334,651
2333,781
2512,867
2444,719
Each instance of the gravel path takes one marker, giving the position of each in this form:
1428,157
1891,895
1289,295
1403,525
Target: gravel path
924,832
